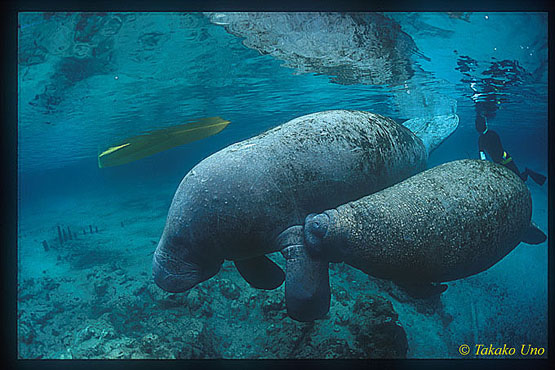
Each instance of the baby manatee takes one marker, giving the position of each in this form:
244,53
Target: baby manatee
449,222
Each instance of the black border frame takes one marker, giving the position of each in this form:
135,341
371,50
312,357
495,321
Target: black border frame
9,192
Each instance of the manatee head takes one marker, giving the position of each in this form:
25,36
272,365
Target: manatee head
321,234
177,268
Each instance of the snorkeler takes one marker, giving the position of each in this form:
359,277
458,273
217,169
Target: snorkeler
490,143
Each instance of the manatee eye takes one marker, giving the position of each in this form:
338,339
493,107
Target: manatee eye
317,226
315,229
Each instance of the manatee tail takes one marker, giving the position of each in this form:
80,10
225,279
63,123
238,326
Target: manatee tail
534,235
433,130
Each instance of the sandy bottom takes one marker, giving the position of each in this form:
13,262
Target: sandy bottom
93,297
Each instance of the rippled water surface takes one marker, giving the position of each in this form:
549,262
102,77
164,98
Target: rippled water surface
85,79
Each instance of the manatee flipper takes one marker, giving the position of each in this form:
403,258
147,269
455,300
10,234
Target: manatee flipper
260,272
307,288
533,235
421,290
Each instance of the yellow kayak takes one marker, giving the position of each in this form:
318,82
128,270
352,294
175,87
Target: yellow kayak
153,142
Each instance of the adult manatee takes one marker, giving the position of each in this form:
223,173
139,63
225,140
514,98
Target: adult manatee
446,223
235,203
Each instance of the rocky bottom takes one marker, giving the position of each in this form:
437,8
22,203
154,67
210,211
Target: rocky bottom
115,315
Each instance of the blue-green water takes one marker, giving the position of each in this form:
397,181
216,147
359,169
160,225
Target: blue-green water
89,80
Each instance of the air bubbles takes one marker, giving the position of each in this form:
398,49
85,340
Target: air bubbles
116,78
486,17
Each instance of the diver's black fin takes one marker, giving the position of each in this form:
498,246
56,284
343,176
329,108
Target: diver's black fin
261,272
537,177
533,235
421,290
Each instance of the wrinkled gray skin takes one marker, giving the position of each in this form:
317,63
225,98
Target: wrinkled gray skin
446,223
235,203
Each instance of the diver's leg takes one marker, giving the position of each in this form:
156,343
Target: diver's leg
512,166
537,177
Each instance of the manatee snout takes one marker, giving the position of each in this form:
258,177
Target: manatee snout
167,277
178,272
315,229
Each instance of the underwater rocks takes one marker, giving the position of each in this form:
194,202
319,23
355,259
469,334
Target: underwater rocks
288,338
229,289
340,294
273,304
204,346
99,339
114,324
376,329
238,311
357,48
370,330
26,333
43,307
119,313
100,288
335,348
